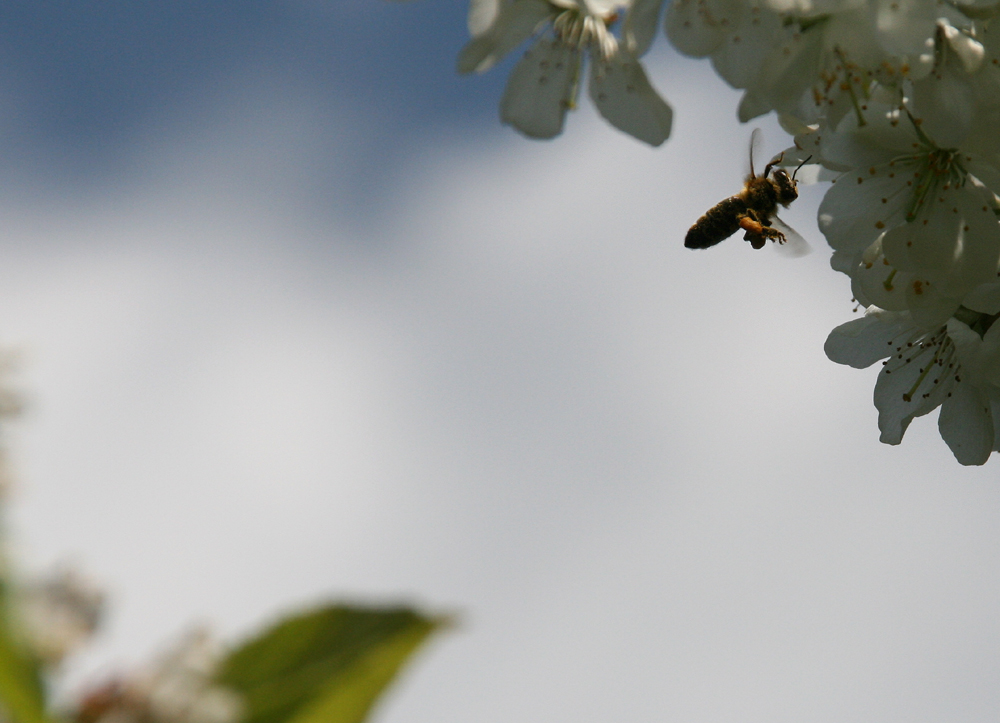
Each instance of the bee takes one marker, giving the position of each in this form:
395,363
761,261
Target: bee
754,209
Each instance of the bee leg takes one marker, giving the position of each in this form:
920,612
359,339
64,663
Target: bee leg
757,233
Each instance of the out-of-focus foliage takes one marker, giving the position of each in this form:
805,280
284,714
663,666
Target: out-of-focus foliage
22,693
324,666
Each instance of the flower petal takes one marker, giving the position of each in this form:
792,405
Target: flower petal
482,13
984,298
516,22
862,342
541,88
884,136
863,204
955,240
640,24
747,46
966,424
623,95
698,27
928,307
910,385
789,68
945,102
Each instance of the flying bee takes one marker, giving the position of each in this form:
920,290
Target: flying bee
754,209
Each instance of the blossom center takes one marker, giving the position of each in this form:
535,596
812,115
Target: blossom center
935,352
580,30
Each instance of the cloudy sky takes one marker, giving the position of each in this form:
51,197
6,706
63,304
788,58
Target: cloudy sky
300,321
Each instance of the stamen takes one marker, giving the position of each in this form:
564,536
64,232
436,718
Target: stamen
888,281
579,30
849,87
944,351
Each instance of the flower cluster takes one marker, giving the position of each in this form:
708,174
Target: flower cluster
178,688
58,613
897,102
546,82
909,139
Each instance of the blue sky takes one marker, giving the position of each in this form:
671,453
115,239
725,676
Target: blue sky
88,85
300,320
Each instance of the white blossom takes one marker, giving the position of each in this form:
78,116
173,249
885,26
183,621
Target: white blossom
909,221
954,366
58,613
176,688
812,59
545,83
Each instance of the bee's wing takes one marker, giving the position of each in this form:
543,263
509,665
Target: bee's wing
794,246
756,138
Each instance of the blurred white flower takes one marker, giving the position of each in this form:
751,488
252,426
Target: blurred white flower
58,613
546,82
176,689
814,59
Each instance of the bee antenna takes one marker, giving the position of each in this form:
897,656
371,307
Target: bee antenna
800,166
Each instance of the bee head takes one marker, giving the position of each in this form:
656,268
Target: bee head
785,186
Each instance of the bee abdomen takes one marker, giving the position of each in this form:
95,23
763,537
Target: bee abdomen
719,223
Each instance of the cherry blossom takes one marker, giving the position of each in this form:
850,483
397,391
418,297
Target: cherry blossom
546,82
953,366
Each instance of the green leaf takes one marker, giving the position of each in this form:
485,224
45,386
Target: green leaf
324,666
22,693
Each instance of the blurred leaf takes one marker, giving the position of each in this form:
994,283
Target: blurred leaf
324,666
22,694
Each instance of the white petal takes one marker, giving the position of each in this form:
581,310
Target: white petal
945,102
983,168
979,9
984,298
989,363
752,106
995,409
745,49
852,32
787,70
482,13
517,21
966,424
601,8
954,240
845,262
640,24
884,136
541,88
978,355
969,51
873,281
623,95
906,28
862,342
863,204
928,307
698,27
910,385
